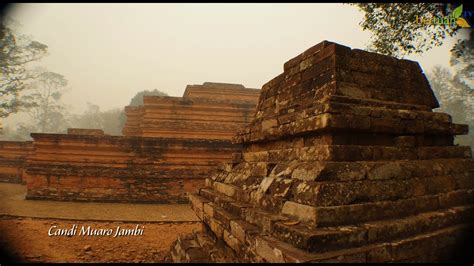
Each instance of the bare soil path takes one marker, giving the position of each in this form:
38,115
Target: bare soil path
27,240
24,227
12,202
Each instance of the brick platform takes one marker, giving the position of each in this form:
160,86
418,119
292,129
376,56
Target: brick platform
125,169
344,161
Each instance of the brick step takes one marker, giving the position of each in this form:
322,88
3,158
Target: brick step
351,153
378,119
226,202
336,106
358,201
377,103
229,219
354,213
433,246
220,212
348,244
283,125
329,238
325,194
376,211
369,170
351,171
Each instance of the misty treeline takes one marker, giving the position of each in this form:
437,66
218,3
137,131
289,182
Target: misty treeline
38,92
455,98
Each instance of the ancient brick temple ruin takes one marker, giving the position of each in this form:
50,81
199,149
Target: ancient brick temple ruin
171,145
13,156
208,111
344,161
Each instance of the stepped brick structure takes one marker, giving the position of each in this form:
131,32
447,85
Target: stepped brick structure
13,156
208,111
344,161
87,165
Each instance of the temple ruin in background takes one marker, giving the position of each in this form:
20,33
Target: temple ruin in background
208,111
170,145
344,161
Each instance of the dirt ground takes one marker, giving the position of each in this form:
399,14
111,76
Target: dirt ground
27,240
13,203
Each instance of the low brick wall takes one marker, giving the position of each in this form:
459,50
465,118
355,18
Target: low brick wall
120,169
12,160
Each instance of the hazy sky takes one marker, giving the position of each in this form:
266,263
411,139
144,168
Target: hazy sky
109,52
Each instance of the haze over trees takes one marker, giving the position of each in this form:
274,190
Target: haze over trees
55,118
454,99
16,51
38,92
110,121
49,113
51,116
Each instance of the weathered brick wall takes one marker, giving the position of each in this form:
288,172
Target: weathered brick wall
344,161
13,156
113,168
208,111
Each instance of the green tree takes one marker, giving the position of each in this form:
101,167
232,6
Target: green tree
462,59
138,98
49,113
396,31
16,51
113,121
109,121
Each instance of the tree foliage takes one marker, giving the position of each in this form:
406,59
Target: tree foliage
16,51
396,31
49,113
110,121
462,58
